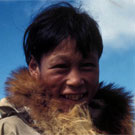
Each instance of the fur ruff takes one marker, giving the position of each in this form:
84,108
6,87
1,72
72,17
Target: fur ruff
110,112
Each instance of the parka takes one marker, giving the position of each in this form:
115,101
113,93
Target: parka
110,110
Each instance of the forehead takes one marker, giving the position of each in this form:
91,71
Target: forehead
67,45
68,49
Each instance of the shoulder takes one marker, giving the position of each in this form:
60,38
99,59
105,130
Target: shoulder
12,120
114,105
11,123
4,102
15,126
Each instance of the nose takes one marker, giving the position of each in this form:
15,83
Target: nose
74,79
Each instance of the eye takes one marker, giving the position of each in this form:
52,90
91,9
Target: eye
88,66
61,66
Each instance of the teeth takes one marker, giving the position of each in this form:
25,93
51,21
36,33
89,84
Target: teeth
74,97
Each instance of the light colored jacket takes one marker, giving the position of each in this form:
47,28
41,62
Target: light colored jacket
14,125
110,109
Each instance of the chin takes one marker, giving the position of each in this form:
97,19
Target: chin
65,105
76,121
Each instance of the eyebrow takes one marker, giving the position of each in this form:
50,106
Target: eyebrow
59,57
66,59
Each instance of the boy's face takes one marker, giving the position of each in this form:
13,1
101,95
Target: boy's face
70,78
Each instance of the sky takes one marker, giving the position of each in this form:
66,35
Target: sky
116,19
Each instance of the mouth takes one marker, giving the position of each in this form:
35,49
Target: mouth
74,97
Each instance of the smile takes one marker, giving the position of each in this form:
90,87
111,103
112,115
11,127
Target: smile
74,97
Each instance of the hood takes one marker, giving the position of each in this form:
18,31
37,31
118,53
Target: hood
110,109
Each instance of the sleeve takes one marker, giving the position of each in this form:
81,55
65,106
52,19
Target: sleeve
7,129
13,125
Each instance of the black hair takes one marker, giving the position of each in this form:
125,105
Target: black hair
56,23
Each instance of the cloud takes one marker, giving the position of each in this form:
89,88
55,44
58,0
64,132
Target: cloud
115,18
32,9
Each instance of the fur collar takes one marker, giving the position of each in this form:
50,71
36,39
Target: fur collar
110,109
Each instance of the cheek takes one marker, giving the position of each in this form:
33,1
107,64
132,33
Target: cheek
93,84
53,83
93,77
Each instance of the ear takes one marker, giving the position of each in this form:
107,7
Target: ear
34,68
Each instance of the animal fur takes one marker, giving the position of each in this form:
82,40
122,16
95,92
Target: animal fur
110,112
